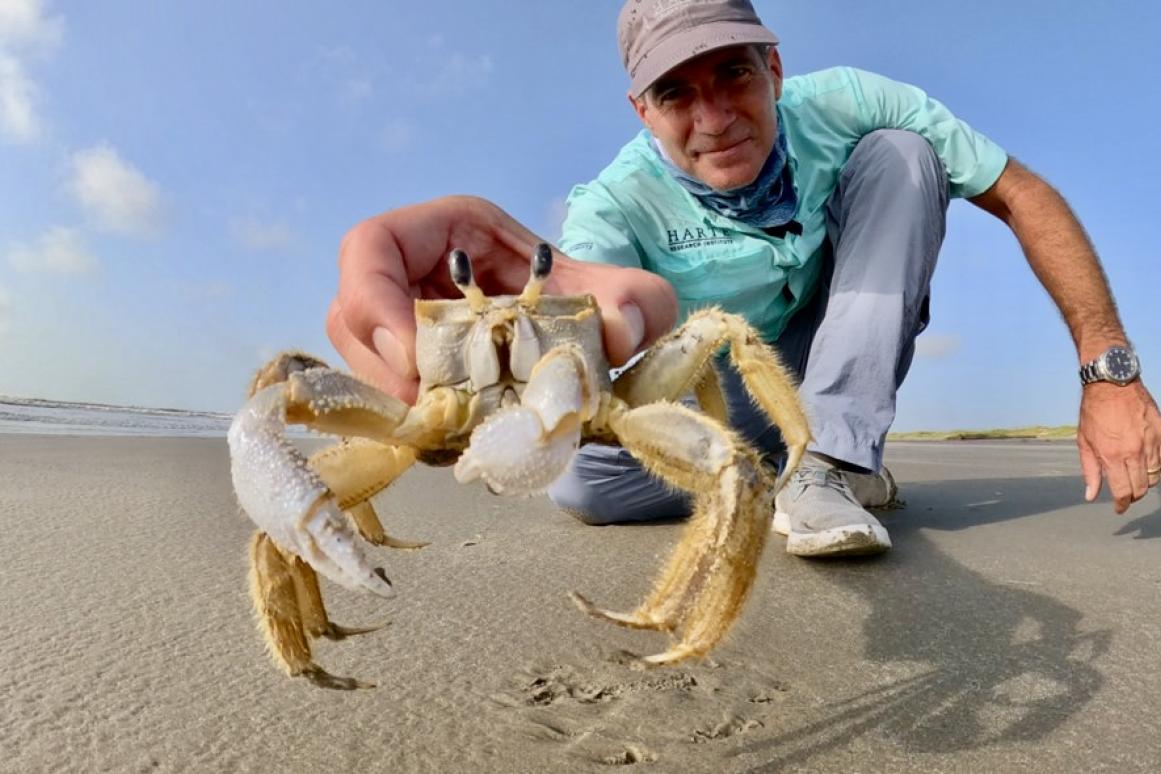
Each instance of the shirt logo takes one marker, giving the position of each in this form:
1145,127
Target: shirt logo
696,236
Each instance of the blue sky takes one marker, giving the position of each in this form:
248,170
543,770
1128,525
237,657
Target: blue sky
175,177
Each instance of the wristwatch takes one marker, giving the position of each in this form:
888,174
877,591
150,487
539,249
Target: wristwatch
1118,365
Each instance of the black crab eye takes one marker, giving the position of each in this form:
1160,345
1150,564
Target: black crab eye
542,261
460,267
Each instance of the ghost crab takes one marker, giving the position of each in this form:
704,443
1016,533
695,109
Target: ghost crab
509,388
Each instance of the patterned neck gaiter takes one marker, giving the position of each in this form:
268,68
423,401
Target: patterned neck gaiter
768,201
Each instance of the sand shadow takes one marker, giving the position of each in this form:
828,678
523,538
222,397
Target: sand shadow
986,662
1144,527
962,504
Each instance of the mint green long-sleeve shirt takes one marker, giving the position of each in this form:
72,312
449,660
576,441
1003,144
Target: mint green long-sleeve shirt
636,214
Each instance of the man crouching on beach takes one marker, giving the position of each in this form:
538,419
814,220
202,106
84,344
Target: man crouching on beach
815,207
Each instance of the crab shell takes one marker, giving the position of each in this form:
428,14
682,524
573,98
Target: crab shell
493,352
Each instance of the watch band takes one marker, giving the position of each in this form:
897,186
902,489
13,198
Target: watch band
1089,373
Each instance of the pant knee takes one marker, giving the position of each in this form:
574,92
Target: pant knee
606,486
582,500
903,160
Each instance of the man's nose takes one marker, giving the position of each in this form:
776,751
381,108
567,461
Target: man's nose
713,113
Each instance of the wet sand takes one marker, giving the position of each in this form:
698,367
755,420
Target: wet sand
1012,628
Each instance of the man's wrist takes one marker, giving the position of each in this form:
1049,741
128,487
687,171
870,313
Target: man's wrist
1118,364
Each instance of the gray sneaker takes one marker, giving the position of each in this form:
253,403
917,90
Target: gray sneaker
875,490
821,516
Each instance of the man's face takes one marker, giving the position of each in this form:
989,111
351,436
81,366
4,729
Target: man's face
714,115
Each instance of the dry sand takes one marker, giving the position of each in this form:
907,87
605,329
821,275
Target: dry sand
1029,642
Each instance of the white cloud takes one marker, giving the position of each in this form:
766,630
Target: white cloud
257,235
114,193
936,345
59,250
19,118
25,26
24,30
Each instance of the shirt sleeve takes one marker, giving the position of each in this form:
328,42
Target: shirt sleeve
595,229
973,161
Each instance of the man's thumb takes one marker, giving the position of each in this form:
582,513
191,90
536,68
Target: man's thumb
1091,468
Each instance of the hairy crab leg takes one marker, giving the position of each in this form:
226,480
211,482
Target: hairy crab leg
282,605
680,362
706,579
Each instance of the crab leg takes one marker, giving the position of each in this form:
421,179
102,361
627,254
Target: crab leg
355,471
701,590
682,361
284,590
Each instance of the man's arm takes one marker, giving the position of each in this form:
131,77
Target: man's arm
1120,428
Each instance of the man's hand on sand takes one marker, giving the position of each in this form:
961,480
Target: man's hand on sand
1120,436
388,261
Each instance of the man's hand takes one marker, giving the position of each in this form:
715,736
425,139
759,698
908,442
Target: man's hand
388,261
1119,435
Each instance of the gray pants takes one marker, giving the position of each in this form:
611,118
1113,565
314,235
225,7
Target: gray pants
850,347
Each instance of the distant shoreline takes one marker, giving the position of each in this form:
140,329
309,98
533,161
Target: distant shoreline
53,417
1033,432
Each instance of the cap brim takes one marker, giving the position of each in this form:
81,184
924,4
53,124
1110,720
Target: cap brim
695,42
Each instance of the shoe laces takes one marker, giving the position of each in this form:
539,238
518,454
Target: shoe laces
822,476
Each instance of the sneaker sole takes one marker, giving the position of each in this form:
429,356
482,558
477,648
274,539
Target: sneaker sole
860,540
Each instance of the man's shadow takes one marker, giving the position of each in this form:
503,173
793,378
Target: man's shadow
988,661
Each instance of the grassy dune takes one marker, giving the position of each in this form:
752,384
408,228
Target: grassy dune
1039,432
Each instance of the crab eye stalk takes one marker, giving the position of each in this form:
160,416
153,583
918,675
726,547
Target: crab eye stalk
541,267
542,261
460,267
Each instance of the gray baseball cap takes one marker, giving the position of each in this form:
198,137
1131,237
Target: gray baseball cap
657,35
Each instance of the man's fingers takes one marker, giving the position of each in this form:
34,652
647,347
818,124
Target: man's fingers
1090,466
365,362
1152,455
377,308
1138,476
1120,486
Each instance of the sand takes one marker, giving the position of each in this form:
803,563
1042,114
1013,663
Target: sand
1010,630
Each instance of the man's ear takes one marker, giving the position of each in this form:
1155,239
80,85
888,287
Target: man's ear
774,61
639,107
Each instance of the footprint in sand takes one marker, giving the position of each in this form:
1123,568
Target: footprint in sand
606,713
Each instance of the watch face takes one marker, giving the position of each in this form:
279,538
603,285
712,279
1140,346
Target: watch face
1121,365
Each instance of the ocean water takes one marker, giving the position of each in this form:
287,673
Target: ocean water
47,417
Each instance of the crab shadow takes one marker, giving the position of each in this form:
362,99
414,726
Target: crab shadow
986,662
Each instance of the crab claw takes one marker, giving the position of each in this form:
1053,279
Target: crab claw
515,454
289,502
522,449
